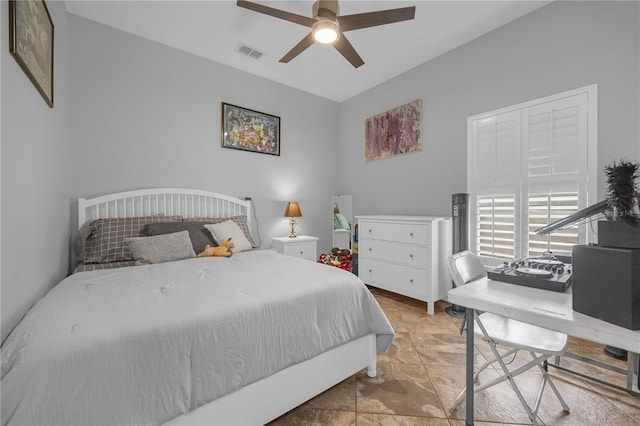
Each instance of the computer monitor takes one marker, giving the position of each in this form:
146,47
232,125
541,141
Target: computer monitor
573,218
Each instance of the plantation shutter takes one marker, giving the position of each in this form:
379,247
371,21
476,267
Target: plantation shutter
554,139
495,226
497,153
497,161
529,165
546,208
554,147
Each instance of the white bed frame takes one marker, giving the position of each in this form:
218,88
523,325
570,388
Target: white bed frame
167,201
266,399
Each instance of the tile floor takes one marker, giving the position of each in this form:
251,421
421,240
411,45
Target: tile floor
423,371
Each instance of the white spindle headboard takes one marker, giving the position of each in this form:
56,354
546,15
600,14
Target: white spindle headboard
168,201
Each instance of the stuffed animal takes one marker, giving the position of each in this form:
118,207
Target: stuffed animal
342,258
224,250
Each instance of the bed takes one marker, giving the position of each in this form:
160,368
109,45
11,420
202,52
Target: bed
192,341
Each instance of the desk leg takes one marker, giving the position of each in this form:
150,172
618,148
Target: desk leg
469,377
633,371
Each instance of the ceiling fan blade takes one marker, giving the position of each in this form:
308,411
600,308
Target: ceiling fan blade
298,48
372,19
277,13
346,49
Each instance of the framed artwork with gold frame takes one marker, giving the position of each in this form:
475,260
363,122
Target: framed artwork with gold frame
31,43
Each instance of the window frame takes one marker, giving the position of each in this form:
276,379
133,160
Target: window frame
588,186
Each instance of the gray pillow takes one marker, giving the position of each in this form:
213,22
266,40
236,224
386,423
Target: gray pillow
161,248
241,221
199,235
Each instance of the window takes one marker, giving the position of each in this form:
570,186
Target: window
496,226
547,208
530,165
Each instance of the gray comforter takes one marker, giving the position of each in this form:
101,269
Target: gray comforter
144,344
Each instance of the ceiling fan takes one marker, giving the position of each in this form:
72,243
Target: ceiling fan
328,27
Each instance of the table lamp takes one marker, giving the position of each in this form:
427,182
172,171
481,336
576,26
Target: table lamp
292,211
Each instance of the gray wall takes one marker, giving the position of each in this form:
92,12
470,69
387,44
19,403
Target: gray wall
130,113
119,93
559,47
35,177
147,115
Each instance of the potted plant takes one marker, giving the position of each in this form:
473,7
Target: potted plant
623,191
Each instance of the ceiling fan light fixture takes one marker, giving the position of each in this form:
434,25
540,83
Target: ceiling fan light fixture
325,31
328,25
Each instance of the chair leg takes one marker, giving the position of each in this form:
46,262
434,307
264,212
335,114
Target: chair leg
483,367
463,326
461,396
489,363
533,414
555,390
537,359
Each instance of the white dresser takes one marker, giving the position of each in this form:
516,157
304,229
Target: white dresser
406,255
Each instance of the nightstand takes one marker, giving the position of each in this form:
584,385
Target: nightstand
302,246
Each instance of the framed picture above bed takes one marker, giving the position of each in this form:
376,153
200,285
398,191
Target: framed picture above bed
249,130
31,43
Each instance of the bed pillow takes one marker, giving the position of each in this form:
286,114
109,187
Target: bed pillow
106,240
199,235
229,229
241,221
340,222
161,248
80,241
84,267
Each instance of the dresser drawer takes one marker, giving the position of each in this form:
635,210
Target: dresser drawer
405,280
407,254
401,232
304,250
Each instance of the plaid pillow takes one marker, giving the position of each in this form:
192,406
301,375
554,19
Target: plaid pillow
97,266
106,242
241,221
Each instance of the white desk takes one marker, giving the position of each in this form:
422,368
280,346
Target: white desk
543,308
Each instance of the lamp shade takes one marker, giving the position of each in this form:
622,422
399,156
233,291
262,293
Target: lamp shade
292,210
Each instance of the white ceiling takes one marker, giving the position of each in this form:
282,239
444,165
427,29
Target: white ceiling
214,29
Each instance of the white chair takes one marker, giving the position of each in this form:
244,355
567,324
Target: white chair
515,336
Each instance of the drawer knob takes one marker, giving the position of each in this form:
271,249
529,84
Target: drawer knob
370,249
411,280
411,234
411,255
370,271
301,252
370,230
